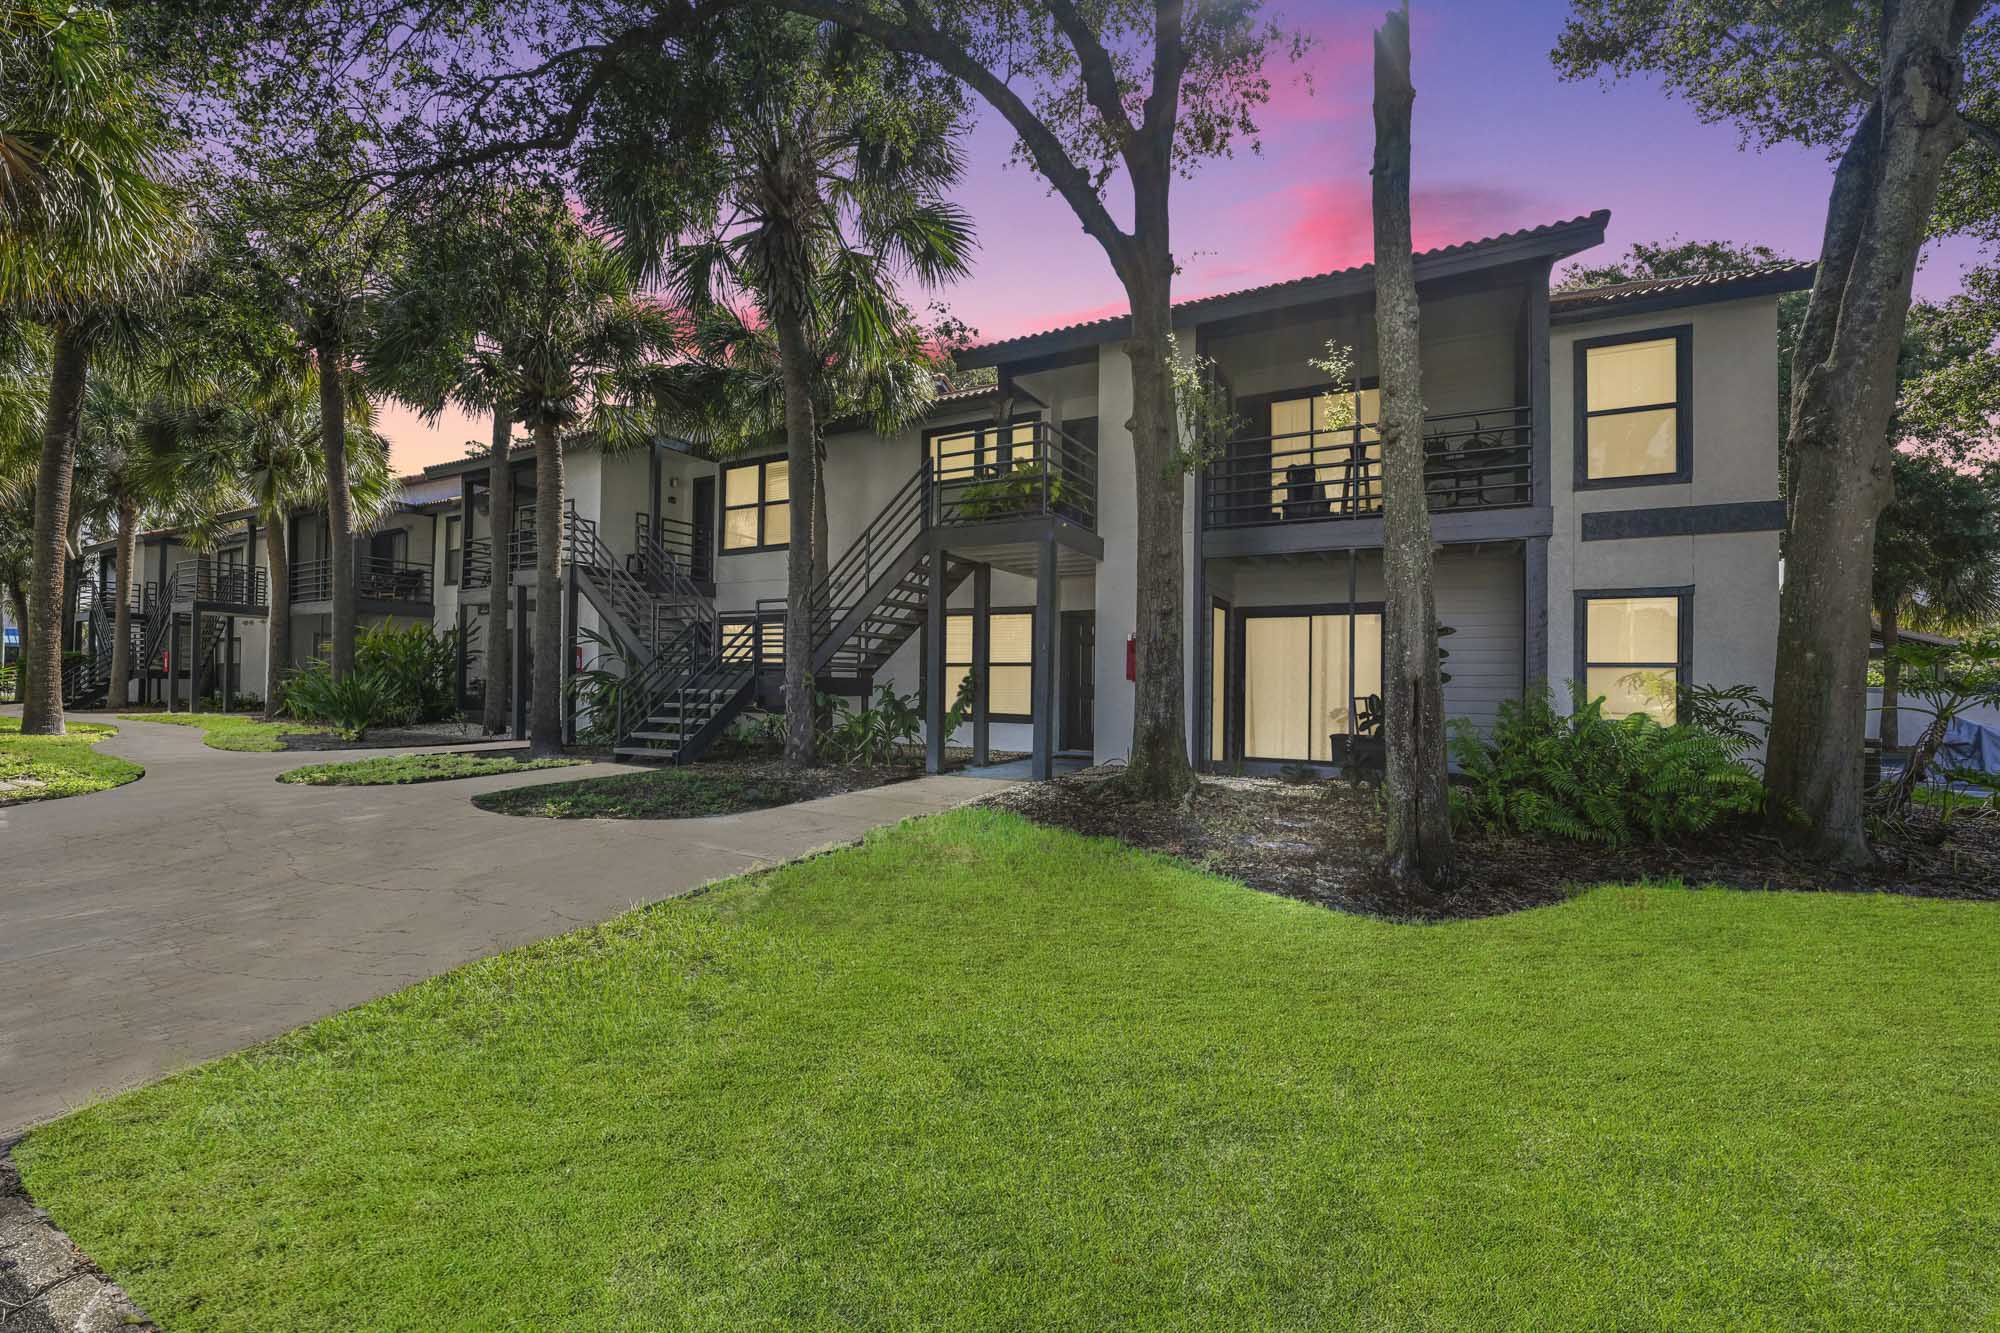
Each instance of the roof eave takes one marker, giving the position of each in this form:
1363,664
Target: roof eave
1745,289
1557,241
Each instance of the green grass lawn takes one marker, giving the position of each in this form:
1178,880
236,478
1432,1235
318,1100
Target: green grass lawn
394,771
53,766
977,1074
232,731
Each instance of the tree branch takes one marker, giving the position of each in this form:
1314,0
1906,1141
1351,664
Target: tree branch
1169,63
1982,133
920,37
1100,77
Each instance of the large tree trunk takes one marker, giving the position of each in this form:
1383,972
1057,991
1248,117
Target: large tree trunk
801,454
42,710
497,716
545,708
121,614
278,638
339,503
1157,767
1892,676
1416,813
1838,451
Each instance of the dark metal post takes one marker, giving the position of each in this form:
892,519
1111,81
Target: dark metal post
571,641
1043,765
982,676
228,664
194,653
934,705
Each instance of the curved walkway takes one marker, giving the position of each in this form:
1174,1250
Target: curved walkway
207,906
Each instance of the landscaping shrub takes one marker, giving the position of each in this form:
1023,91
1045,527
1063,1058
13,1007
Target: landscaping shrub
1586,777
351,705
418,668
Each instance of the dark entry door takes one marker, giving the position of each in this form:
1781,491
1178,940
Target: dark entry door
704,529
1079,679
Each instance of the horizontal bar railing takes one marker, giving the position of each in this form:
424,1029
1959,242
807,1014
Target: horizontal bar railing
1047,474
678,541
1472,460
375,577
202,580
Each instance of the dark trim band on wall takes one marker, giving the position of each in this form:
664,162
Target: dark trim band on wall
1685,520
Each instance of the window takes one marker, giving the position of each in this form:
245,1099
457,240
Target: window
453,549
756,505
1301,684
1632,395
1010,662
1320,466
1632,649
739,639
971,452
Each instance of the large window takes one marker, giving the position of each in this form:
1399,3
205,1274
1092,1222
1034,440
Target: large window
739,639
1010,662
1301,683
1632,408
969,453
1326,455
756,505
1633,649
453,548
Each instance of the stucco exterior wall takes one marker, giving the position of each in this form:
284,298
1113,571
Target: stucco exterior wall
1734,454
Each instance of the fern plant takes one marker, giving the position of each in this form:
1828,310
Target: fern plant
1588,778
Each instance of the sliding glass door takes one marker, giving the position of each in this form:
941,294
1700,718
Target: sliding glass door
1305,676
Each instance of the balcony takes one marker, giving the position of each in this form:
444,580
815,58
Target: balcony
478,564
678,541
1047,474
1472,461
208,582
376,579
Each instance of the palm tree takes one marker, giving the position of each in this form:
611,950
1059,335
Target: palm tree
259,443
827,182
565,343
732,394
120,427
93,221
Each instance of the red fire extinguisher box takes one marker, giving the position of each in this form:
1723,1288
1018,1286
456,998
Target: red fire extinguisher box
1131,657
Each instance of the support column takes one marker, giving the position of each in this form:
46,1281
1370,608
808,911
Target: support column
934,705
982,674
194,660
1534,613
228,664
1043,765
571,640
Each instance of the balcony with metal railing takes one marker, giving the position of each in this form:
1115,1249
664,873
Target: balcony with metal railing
1039,472
1472,461
376,579
223,585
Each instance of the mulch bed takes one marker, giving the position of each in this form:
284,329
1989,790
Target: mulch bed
393,738
1318,843
700,790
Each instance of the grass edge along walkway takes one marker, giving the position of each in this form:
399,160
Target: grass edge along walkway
232,731
66,765
981,1074
399,770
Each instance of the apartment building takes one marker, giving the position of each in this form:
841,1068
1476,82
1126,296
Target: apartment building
1601,468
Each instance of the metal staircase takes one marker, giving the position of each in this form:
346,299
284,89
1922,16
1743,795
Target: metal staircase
872,599
649,603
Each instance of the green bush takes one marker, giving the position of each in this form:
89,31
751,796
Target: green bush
351,705
1586,777
418,671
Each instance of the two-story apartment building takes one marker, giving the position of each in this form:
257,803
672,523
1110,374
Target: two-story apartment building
1601,468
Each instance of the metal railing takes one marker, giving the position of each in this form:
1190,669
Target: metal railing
678,546
1048,473
205,580
375,577
1472,460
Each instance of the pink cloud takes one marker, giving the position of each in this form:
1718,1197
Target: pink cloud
1321,227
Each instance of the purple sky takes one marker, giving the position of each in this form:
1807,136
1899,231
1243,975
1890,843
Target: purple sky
1499,144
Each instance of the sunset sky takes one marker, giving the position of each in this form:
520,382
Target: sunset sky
1499,144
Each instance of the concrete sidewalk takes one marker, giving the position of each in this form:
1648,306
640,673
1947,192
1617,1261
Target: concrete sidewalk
207,906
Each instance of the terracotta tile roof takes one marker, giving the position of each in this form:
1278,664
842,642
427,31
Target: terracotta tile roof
1791,275
1194,305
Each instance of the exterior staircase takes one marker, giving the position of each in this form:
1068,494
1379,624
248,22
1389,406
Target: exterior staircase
873,598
